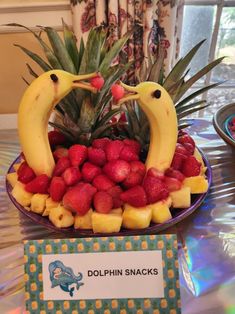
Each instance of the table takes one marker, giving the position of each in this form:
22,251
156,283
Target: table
206,238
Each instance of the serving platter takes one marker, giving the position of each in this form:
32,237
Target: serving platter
177,214
220,120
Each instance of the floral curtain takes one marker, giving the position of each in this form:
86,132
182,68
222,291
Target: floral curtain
153,21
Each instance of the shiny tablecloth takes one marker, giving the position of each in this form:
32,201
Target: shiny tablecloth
206,238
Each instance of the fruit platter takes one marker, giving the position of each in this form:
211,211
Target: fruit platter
117,159
106,186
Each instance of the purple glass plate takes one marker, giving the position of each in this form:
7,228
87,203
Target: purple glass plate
178,214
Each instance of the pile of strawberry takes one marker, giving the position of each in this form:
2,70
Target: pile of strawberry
108,174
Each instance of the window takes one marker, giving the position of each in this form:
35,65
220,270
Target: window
215,21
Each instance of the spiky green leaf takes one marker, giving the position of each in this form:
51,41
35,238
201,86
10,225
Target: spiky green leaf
156,69
35,58
91,56
180,67
31,71
108,116
190,111
60,50
113,53
196,77
101,130
185,107
70,45
54,62
197,93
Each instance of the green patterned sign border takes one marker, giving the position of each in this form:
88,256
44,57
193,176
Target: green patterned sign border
33,250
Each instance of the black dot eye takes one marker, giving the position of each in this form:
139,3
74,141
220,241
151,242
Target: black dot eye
157,94
54,78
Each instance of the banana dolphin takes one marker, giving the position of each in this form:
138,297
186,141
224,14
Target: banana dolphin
160,111
35,109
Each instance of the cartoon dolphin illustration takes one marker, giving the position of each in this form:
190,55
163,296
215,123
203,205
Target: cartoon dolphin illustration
63,276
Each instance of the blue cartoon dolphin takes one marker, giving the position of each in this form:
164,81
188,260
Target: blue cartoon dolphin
63,276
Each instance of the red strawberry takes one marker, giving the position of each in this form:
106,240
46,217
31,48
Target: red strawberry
138,166
182,132
191,167
177,161
40,184
60,152
25,173
128,154
172,173
97,82
62,164
103,202
100,142
153,172
133,144
172,184
155,189
102,182
115,192
71,176
181,149
90,171
96,156
57,189
79,198
122,117
186,139
117,170
77,154
189,147
56,138
117,91
113,149
133,179
135,196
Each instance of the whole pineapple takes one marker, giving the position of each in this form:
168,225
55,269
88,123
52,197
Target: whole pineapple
83,116
103,180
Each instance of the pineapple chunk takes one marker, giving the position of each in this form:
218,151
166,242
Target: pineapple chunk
61,217
49,205
17,165
83,222
22,197
181,198
117,211
160,210
106,223
12,178
197,184
38,203
199,158
136,218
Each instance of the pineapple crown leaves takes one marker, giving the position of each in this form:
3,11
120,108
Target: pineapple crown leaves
80,107
176,83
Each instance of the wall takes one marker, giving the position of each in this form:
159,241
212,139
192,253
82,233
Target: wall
12,59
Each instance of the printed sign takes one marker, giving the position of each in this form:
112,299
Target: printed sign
103,275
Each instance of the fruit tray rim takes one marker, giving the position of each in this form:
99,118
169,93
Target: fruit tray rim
181,214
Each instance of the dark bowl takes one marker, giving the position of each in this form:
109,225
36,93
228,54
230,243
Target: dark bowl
178,214
219,120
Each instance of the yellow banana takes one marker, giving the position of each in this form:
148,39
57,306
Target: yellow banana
160,111
35,109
